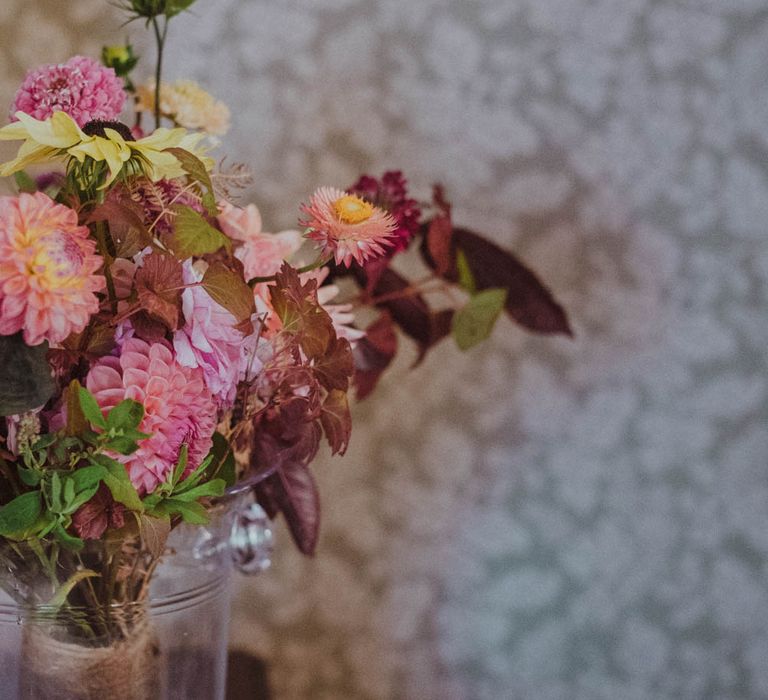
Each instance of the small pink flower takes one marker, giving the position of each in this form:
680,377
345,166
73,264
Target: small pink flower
81,87
346,226
178,408
48,283
210,341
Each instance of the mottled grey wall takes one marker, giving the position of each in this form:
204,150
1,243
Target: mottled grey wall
536,519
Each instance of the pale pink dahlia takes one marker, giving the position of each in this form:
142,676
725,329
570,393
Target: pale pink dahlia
178,408
346,226
47,266
81,87
210,341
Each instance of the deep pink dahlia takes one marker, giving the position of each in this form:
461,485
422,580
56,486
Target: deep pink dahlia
391,194
178,408
81,87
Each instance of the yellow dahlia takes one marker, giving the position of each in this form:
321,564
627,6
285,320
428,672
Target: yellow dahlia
59,137
48,263
187,105
347,226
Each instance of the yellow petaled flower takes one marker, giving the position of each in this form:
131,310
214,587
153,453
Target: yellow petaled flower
188,105
59,137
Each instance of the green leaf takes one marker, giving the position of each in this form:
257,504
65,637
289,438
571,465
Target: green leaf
181,465
128,414
20,514
24,182
70,542
86,477
30,477
196,475
211,488
25,375
193,235
466,278
60,597
121,444
474,323
119,483
56,504
192,513
195,168
223,460
91,408
174,7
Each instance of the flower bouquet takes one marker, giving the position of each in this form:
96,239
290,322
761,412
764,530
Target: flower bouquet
158,347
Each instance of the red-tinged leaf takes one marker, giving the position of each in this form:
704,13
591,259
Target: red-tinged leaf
439,235
334,369
529,302
159,283
336,421
411,313
296,305
292,491
147,328
229,289
76,420
126,224
373,354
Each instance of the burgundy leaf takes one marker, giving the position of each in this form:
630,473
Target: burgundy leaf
373,353
529,302
159,283
410,312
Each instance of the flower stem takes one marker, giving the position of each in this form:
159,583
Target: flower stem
307,268
160,36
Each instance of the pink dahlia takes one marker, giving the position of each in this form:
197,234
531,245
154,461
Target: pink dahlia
81,87
391,194
48,283
178,408
210,341
346,226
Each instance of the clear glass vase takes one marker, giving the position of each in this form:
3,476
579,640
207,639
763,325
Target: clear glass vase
170,646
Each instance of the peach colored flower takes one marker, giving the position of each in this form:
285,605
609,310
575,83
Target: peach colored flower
178,408
187,105
346,226
48,263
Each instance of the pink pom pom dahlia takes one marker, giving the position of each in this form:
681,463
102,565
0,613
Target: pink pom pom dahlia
47,266
178,408
81,87
210,341
346,226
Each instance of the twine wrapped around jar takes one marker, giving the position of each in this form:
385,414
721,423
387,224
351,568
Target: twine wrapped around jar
127,669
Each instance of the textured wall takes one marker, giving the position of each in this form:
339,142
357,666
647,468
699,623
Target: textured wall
535,519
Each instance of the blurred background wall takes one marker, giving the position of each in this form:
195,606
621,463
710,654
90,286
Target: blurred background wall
537,518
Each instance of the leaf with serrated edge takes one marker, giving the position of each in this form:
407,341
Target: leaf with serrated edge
154,533
194,236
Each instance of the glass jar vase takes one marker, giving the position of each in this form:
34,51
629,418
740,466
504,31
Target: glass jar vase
172,645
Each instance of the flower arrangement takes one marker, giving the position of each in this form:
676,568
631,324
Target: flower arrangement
158,346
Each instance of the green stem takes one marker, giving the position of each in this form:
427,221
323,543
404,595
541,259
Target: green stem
307,268
160,36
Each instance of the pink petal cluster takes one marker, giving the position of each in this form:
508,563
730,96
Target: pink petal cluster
391,194
261,253
345,240
81,87
178,408
48,263
210,341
